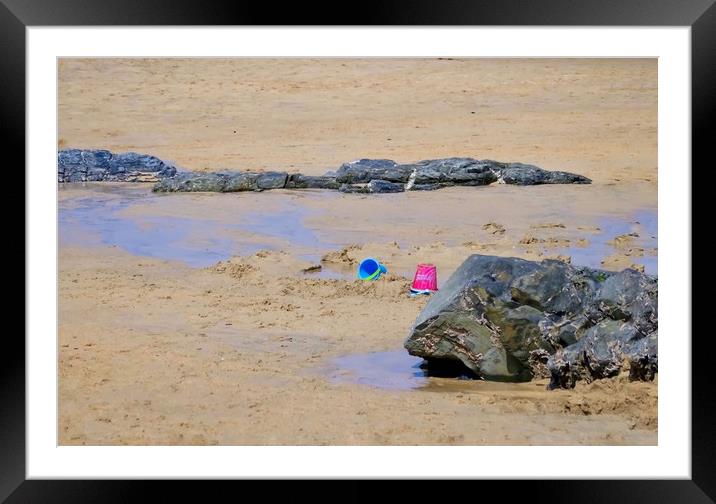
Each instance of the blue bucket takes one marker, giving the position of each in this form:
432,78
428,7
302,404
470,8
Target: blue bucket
370,269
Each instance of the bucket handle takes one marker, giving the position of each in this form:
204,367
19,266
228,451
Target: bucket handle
373,275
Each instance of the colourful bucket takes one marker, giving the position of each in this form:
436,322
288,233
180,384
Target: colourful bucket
426,278
370,269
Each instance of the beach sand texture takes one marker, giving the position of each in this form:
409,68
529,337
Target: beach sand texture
593,117
243,351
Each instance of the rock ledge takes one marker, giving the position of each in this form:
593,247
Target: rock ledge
508,319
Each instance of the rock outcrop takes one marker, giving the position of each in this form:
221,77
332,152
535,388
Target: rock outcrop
374,186
508,319
377,176
363,171
361,176
222,182
436,173
78,165
299,181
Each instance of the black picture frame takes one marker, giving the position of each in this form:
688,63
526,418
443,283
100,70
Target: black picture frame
700,15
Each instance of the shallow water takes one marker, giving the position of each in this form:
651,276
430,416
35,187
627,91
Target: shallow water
398,370
96,221
393,369
644,223
202,229
101,218
389,370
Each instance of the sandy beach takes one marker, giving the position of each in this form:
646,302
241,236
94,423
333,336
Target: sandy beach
190,318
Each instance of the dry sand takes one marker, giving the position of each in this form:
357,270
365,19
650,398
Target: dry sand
153,351
594,117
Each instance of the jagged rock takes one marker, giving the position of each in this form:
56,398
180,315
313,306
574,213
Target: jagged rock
240,181
222,182
435,173
363,171
361,176
193,182
374,186
299,181
98,163
272,180
78,165
562,177
353,188
509,319
526,174
455,171
383,186
70,166
425,187
643,358
625,317
131,161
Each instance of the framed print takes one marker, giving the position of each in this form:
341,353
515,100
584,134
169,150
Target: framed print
417,243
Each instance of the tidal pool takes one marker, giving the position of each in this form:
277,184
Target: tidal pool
644,223
201,229
103,217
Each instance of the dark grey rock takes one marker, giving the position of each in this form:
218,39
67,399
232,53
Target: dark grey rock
70,166
240,181
272,180
299,181
130,162
523,174
97,163
509,319
643,358
526,174
598,354
560,177
96,158
192,182
374,186
77,165
383,186
457,171
464,320
354,188
426,187
70,158
363,171
436,173
625,317
222,182
630,295
361,176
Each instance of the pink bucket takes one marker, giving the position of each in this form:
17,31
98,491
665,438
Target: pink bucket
426,278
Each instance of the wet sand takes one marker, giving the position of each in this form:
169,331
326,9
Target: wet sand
194,347
153,352
187,318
